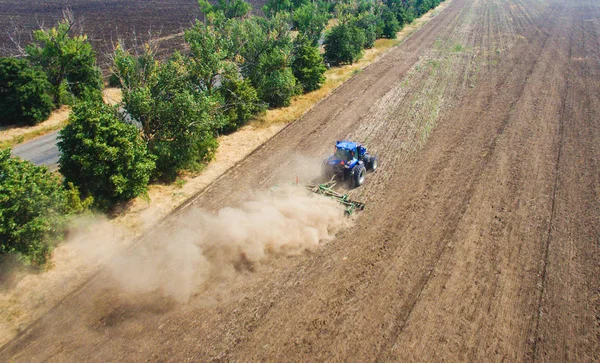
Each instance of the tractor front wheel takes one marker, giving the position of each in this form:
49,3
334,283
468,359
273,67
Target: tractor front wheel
371,163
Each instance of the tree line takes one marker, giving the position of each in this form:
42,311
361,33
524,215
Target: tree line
234,66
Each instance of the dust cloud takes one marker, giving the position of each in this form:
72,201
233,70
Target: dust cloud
201,245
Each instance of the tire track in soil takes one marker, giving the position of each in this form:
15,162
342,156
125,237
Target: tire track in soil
448,236
561,132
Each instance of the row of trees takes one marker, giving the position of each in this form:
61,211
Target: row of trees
234,66
57,68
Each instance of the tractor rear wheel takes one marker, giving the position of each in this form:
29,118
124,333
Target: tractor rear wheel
358,175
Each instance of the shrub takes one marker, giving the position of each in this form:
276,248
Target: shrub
34,208
343,44
103,155
308,65
24,97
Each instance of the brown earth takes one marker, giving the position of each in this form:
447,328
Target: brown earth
481,236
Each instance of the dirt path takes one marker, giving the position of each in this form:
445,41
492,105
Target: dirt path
480,239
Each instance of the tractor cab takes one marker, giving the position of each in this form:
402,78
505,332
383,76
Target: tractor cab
349,161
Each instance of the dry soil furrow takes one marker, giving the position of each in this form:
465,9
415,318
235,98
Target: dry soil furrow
569,312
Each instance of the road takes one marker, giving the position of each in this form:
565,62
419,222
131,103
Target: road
41,150
480,237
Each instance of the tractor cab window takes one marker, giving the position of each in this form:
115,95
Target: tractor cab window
343,154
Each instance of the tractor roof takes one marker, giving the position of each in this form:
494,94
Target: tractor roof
346,145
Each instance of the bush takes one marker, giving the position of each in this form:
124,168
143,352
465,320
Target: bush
104,156
308,65
24,98
343,44
34,208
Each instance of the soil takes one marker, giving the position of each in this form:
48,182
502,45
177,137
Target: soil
480,240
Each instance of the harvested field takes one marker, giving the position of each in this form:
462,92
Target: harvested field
480,237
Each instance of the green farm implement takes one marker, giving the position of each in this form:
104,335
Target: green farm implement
326,189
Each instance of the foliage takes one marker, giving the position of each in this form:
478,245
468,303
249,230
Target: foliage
24,97
263,52
310,19
391,25
34,208
272,7
224,9
207,59
241,103
343,44
178,121
103,155
308,65
367,23
67,59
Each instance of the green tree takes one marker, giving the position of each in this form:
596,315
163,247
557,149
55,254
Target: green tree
367,23
178,121
208,56
343,44
263,52
391,26
308,65
224,9
34,208
104,155
67,59
24,97
241,102
310,19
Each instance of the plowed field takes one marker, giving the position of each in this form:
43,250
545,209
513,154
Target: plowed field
481,237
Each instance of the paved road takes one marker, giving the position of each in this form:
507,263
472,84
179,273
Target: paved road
40,151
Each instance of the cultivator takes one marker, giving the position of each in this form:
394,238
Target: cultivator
326,189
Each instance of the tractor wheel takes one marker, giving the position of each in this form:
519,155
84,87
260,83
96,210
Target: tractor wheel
372,163
358,175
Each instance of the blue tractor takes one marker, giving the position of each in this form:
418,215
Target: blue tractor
350,162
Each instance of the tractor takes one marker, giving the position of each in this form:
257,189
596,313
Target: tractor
350,162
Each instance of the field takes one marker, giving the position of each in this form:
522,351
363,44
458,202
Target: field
105,21
480,240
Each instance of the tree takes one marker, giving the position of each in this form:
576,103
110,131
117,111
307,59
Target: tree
263,53
308,65
24,97
103,155
367,23
178,121
34,208
241,102
208,56
310,19
224,9
390,24
343,44
67,59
